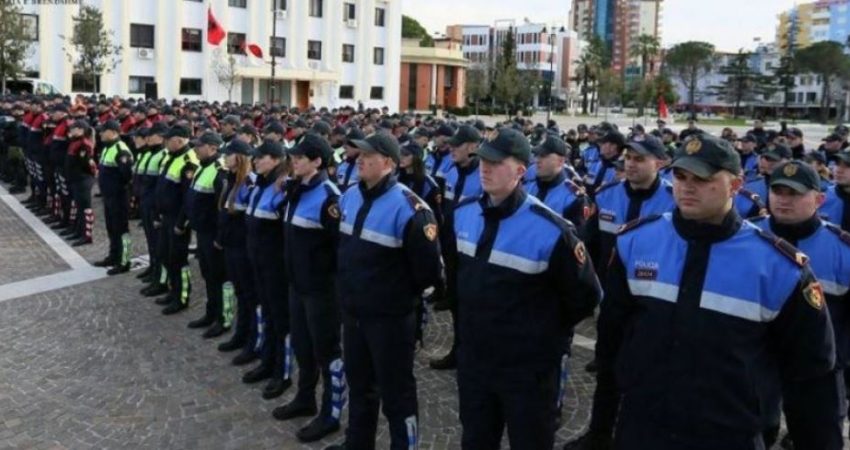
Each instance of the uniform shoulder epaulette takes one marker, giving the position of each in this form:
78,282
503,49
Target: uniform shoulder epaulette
785,248
551,216
843,235
640,221
466,201
331,190
607,185
415,202
574,188
750,195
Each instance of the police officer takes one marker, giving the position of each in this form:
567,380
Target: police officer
835,207
518,299
346,173
114,174
174,181
81,170
553,186
696,344
229,125
602,171
201,214
150,167
768,160
462,180
232,235
438,161
795,190
311,228
749,157
58,149
265,244
388,254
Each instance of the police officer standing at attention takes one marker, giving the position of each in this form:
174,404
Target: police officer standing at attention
311,228
201,211
346,173
388,254
438,161
697,345
115,172
795,194
174,181
835,208
149,168
554,188
527,280
603,171
462,180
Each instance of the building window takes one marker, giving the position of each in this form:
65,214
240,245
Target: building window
377,93
190,86
238,3
29,23
279,5
314,49
315,8
137,84
346,91
348,12
141,36
347,53
278,47
191,40
84,83
379,17
378,57
236,43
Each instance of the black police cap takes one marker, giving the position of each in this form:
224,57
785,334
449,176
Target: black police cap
613,137
648,146
796,175
704,155
411,148
178,131
354,133
444,130
465,134
159,129
313,146
141,132
274,127
80,123
209,138
248,129
382,143
777,153
552,144
238,147
508,143
816,156
270,148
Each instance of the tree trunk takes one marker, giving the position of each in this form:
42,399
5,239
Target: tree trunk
692,93
824,102
94,83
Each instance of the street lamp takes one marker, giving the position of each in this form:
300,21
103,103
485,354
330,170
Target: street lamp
551,37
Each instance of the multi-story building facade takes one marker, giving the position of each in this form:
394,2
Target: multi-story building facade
326,53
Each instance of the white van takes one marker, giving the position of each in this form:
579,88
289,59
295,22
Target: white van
31,86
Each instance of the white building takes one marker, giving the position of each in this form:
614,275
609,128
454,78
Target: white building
328,53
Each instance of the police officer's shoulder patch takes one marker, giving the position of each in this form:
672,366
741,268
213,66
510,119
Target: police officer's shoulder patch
785,248
546,213
755,198
843,235
637,223
333,210
813,293
430,231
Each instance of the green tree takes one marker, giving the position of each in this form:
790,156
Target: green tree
412,29
785,77
506,80
690,61
610,87
477,85
742,83
14,45
645,47
91,49
827,60
590,64
531,84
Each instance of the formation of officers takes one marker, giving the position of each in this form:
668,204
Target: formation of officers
325,237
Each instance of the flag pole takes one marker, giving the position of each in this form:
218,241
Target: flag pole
274,35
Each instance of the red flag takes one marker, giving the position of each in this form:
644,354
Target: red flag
254,49
215,33
662,108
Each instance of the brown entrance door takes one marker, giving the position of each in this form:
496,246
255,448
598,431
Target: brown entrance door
302,92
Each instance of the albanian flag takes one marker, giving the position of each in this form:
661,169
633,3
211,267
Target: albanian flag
215,32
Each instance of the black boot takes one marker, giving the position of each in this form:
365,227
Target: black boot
215,331
167,300
589,441
174,308
81,241
232,345
119,269
336,447
244,357
145,273
447,362
203,322
257,374
154,290
317,429
60,225
295,408
275,388
68,233
105,262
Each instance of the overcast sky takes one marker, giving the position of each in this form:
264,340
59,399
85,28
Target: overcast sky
728,24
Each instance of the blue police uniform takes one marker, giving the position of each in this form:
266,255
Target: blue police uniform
438,163
761,187
388,254
114,174
694,345
265,244
616,204
148,173
527,281
834,209
600,173
589,157
749,204
311,225
564,197
232,236
750,166
346,174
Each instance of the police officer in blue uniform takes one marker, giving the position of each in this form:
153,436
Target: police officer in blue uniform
201,215
149,175
311,228
694,345
462,181
835,207
527,281
114,174
749,204
553,185
769,160
388,254
602,171
346,172
439,161
749,157
265,244
795,190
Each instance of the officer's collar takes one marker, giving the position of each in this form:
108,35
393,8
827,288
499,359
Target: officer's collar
376,191
317,179
473,165
693,230
181,150
210,160
793,233
507,207
559,178
643,193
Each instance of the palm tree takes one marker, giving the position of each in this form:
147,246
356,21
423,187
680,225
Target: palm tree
646,47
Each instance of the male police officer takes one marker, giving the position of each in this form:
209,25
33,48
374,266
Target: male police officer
388,254
116,166
149,174
311,228
527,281
769,160
696,345
553,186
795,194
201,214
835,207
346,173
602,171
